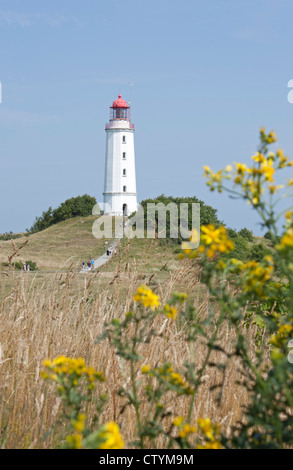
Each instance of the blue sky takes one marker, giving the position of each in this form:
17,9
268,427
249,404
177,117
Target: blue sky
202,78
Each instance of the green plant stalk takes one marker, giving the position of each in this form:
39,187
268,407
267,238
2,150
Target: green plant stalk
193,396
134,389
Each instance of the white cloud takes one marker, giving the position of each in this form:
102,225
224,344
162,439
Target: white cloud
12,18
24,118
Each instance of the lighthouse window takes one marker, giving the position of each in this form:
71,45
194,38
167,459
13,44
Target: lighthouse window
124,189
124,139
124,172
124,155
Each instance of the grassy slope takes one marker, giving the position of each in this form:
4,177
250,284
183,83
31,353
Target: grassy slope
69,243
57,247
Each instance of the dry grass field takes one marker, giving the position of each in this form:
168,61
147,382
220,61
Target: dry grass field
44,315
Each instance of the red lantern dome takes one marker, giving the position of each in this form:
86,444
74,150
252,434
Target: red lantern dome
119,103
120,110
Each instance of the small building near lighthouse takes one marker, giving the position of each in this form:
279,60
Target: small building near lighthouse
120,196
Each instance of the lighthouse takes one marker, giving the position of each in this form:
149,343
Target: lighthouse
120,183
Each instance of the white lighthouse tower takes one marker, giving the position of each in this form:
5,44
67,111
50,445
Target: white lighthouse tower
120,182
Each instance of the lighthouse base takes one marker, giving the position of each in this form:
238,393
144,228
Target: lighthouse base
120,204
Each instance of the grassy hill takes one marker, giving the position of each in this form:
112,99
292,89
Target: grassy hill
64,246
57,247
69,243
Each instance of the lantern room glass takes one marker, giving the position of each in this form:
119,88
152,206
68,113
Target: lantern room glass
120,113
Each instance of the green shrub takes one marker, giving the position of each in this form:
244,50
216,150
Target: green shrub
245,233
10,236
242,249
259,251
76,206
18,265
208,215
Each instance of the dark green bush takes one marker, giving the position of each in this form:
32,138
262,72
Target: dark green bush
76,206
245,233
10,236
259,251
18,265
208,215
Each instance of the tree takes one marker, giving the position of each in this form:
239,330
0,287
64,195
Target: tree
245,233
76,206
208,215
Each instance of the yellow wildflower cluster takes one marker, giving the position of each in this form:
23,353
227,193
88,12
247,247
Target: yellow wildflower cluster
111,437
282,335
147,297
212,240
256,275
210,445
211,432
215,179
65,368
170,312
145,369
178,421
184,429
79,423
177,379
251,180
107,437
167,375
289,218
268,138
286,242
179,296
74,441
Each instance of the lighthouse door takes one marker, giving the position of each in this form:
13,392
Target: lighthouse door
125,210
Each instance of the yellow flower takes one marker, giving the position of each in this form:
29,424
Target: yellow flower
289,215
268,170
147,297
177,379
145,369
258,157
187,429
241,169
79,423
210,234
256,275
170,312
221,265
70,369
111,435
212,240
286,240
274,188
178,421
208,429
210,445
272,137
74,441
282,335
205,425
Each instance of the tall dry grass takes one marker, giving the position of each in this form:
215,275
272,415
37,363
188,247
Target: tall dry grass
64,315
